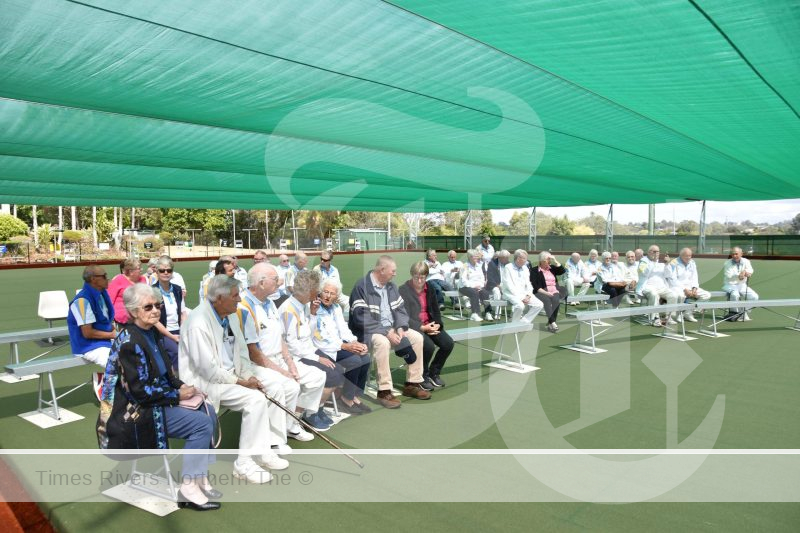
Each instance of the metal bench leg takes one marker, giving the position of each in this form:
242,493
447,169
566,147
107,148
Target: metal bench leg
53,393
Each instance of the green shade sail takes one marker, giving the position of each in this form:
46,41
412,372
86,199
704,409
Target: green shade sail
408,105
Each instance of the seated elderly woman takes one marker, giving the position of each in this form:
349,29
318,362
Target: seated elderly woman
296,315
611,280
333,339
144,395
546,288
424,316
130,272
473,285
173,310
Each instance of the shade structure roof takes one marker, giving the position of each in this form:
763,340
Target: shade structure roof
404,105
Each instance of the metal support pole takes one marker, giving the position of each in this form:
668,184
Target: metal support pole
701,239
651,219
532,230
610,229
468,228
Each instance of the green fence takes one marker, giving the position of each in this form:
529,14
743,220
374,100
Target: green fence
780,245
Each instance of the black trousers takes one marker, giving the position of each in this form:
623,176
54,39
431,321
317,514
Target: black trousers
616,293
475,296
432,366
551,303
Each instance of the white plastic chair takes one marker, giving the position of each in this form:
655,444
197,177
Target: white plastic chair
53,305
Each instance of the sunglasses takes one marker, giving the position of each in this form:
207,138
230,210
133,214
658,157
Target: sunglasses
149,307
165,271
103,275
324,260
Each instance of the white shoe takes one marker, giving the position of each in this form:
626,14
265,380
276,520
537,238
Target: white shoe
282,449
467,304
671,322
747,318
488,316
475,317
251,472
273,462
678,319
301,435
657,323
689,316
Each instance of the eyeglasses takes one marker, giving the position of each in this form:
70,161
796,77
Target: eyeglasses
421,277
149,307
259,260
324,260
165,271
103,275
328,293
284,260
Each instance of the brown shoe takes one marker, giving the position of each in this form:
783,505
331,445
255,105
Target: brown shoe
413,390
387,399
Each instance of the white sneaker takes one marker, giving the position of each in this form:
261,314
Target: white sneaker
657,323
475,317
467,304
678,319
671,322
747,318
272,461
688,315
282,449
250,471
300,434
488,316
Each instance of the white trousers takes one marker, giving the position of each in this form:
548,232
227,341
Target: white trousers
311,382
571,283
653,297
98,356
739,292
517,308
284,390
254,436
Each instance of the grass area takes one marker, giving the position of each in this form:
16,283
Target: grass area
756,369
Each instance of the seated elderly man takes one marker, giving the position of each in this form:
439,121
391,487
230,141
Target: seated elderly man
517,289
473,285
654,283
296,315
274,368
299,265
736,275
436,277
576,276
630,274
452,268
685,282
281,294
327,271
593,264
611,280
334,340
379,319
494,273
213,356
91,321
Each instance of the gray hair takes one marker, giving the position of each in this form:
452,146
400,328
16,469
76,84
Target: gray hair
164,260
133,296
544,256
593,251
306,282
131,263
221,286
331,281
88,272
475,253
429,252
503,253
520,253
606,255
258,272
299,256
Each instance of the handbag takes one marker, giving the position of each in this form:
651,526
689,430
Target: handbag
193,402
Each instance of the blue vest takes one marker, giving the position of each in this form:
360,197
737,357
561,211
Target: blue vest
79,343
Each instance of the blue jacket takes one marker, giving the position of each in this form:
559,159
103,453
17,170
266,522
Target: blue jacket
79,343
177,292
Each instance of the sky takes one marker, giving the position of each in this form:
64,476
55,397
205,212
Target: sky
758,212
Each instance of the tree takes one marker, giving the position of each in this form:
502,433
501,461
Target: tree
796,224
561,226
596,222
11,226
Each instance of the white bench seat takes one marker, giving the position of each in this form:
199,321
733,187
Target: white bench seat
592,318
711,329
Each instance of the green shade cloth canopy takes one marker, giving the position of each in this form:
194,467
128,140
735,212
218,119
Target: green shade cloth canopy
398,106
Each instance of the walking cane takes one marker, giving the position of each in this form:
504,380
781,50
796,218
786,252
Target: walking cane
312,429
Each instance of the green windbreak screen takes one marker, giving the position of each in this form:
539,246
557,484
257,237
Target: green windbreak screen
408,105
